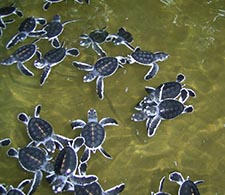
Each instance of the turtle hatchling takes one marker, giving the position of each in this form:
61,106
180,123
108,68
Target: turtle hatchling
52,58
160,192
54,29
32,159
165,110
21,55
187,187
94,39
65,165
171,89
121,37
27,29
7,11
93,133
5,142
104,67
40,131
147,58
14,191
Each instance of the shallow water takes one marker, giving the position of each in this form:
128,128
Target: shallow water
192,33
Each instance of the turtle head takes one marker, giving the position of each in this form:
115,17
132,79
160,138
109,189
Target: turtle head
160,56
40,63
92,115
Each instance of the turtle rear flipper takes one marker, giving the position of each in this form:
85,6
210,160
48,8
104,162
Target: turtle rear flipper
73,52
23,118
105,154
180,78
5,142
188,109
152,72
12,152
47,5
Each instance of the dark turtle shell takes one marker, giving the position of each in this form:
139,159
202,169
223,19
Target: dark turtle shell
53,29
170,108
15,192
170,90
90,189
189,188
98,36
106,66
66,161
27,25
143,57
25,52
55,55
94,134
32,158
39,129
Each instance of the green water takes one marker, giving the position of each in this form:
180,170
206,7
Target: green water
191,32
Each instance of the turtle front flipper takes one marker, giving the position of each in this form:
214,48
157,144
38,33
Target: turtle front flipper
44,76
152,72
153,125
105,154
115,190
100,87
24,70
16,39
55,43
176,177
77,124
108,121
83,66
2,24
36,182
98,49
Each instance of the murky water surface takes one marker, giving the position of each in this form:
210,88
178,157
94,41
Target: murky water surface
191,32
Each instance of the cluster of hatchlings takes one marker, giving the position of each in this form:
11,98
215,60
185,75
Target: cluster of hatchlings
66,172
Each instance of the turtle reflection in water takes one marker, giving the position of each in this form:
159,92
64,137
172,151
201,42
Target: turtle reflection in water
93,133
154,113
32,159
187,187
104,67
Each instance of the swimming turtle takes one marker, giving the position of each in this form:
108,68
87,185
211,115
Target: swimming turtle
48,3
27,28
160,192
167,109
65,165
171,89
147,58
121,37
95,188
5,142
21,55
94,39
54,29
40,131
187,187
14,191
34,160
104,67
93,133
7,11
52,58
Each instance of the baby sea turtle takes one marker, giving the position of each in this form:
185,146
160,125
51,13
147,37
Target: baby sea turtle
5,142
7,11
52,58
95,188
165,110
121,37
147,58
187,187
65,165
104,67
48,3
93,133
21,55
27,29
160,192
54,29
14,191
172,89
94,39
32,159
40,131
